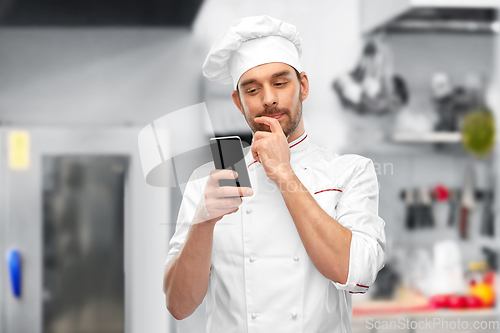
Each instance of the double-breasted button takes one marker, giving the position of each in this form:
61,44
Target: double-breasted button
252,259
254,315
249,210
294,315
296,258
303,167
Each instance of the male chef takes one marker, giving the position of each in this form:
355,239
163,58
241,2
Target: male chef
288,254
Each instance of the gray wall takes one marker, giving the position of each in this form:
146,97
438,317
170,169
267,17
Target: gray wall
95,76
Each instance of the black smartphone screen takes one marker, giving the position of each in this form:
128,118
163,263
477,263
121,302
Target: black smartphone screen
227,153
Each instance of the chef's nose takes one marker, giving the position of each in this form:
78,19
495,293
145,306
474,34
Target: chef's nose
269,97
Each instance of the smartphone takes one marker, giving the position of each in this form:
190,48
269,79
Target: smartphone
227,153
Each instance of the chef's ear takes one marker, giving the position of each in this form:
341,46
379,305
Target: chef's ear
237,101
304,85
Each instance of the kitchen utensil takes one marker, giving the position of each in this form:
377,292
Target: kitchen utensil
454,206
427,215
372,87
488,217
410,209
442,91
418,208
468,202
441,192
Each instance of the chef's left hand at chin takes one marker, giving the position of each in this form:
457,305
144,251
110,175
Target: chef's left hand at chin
271,149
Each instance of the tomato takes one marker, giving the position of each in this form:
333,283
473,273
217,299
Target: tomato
440,301
457,302
473,302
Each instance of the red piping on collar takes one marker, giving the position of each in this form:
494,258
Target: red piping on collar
252,163
360,285
298,142
332,189
357,292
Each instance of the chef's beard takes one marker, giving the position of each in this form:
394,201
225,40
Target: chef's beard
292,120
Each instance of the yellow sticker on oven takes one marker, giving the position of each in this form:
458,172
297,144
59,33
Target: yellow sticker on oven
19,150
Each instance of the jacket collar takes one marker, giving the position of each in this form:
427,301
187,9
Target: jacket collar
300,144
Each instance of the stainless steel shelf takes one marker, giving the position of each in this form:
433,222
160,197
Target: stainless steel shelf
431,137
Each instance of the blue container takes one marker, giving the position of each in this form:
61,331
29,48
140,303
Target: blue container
15,271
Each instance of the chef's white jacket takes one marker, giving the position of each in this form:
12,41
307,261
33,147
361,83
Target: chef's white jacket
261,278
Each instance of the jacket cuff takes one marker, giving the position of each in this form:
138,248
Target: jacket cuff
362,265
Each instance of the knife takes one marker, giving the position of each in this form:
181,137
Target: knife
468,202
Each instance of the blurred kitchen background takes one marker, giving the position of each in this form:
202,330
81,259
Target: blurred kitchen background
412,84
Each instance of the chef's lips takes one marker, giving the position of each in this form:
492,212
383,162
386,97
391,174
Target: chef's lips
269,113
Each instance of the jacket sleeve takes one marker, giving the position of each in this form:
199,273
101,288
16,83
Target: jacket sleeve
190,199
357,210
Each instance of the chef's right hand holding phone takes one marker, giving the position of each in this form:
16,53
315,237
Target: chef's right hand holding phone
225,187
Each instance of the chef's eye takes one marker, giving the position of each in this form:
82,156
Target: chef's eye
251,91
281,83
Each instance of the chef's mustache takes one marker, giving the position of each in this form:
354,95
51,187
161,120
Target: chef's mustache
273,111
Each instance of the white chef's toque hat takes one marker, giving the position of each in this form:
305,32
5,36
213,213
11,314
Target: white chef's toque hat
250,42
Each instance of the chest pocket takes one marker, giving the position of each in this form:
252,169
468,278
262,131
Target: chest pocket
327,198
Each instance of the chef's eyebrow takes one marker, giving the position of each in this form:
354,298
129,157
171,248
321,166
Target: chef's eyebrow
247,82
283,73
